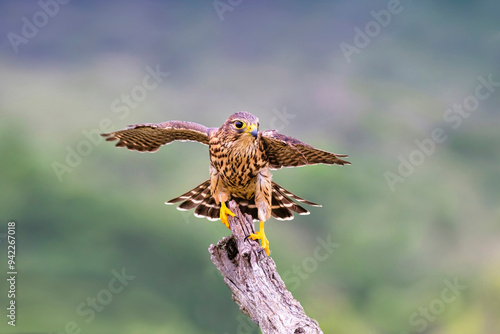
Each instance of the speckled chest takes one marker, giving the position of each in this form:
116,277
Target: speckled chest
238,163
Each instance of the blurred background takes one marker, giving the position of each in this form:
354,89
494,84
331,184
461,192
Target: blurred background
408,238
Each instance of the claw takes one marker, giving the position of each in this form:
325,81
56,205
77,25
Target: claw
261,236
224,211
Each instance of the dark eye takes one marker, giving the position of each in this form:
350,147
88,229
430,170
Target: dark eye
238,124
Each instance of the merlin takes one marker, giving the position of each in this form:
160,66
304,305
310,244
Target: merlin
241,158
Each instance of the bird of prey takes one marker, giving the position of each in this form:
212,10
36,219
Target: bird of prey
241,158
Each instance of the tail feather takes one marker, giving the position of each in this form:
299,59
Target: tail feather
190,194
196,199
282,206
201,211
279,209
213,211
295,197
247,206
278,193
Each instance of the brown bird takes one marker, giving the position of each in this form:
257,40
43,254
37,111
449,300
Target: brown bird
240,161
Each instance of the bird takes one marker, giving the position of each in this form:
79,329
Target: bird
241,160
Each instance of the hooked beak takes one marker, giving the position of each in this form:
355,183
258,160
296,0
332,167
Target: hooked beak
253,130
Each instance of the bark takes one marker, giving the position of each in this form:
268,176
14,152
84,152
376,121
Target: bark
256,286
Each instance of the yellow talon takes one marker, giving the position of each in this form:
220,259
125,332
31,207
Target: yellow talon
224,211
261,236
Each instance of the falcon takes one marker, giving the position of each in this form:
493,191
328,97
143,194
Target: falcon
241,158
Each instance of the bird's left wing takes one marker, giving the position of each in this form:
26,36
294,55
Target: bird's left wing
149,137
285,151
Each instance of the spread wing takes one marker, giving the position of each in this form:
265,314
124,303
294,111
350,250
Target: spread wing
284,151
149,137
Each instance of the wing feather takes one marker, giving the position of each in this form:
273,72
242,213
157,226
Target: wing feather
285,151
149,137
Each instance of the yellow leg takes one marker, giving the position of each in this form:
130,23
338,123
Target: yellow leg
261,236
224,211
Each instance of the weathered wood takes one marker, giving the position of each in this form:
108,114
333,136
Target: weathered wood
252,277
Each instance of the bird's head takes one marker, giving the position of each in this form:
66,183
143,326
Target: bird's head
241,126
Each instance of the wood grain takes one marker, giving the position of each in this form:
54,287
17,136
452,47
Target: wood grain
256,286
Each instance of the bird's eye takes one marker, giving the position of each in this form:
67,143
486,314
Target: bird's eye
238,124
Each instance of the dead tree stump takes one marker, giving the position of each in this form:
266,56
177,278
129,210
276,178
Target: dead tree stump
257,287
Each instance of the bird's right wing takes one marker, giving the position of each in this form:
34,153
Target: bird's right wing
149,137
286,151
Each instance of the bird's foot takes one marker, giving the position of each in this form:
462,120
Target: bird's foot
261,236
224,211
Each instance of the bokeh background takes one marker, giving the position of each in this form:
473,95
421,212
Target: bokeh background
411,251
